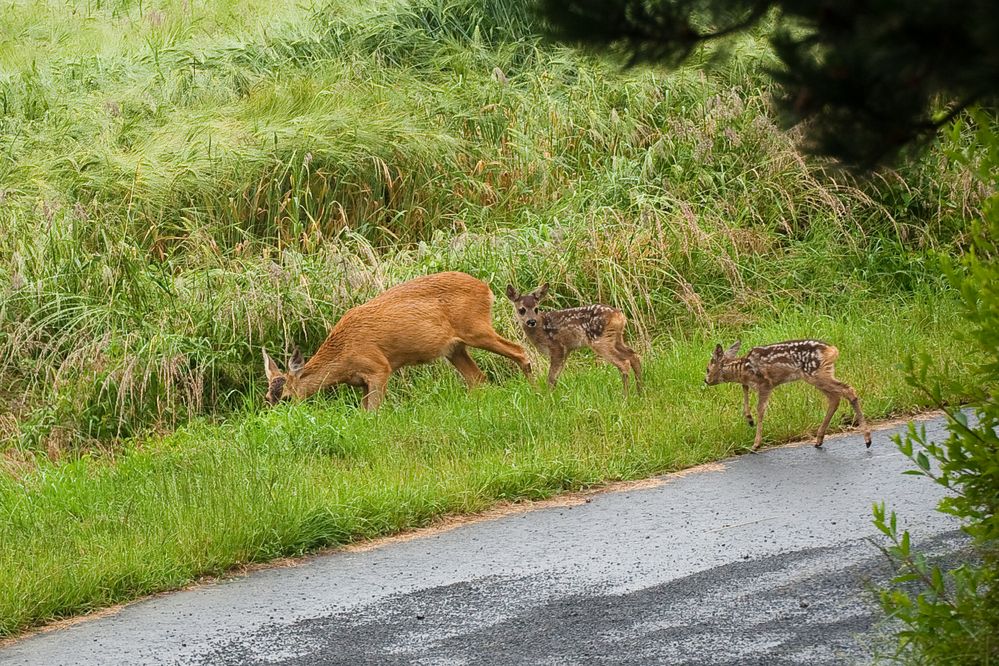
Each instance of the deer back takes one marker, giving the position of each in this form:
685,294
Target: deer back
413,322
786,361
579,327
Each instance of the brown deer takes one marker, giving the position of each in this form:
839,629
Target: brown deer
414,322
556,333
765,368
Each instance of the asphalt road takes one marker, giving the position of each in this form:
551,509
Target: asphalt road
763,559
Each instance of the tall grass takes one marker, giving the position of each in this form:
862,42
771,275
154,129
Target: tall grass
220,176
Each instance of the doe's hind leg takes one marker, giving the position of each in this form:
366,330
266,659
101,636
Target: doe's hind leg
460,359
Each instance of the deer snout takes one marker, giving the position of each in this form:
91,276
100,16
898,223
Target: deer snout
531,323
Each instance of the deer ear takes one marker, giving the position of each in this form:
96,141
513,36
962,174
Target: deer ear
541,291
719,352
511,293
734,349
296,361
271,368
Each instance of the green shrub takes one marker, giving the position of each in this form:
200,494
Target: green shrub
952,615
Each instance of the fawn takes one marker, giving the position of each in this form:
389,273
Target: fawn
414,322
556,333
765,368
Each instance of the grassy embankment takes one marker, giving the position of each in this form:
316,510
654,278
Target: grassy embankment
182,183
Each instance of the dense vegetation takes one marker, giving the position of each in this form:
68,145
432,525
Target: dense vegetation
869,79
950,615
183,183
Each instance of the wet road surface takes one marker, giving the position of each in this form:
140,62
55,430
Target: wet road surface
763,559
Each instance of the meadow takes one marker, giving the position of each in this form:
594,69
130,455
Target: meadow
183,183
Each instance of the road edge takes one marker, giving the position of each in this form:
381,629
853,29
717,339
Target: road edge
450,522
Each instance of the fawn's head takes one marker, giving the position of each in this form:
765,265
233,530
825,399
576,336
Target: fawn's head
717,362
281,385
525,306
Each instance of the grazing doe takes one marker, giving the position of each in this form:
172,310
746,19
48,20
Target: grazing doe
414,322
765,368
556,333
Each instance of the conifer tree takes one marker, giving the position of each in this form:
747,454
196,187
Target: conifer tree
869,76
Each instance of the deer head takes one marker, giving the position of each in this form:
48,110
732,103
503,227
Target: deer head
717,363
525,306
281,385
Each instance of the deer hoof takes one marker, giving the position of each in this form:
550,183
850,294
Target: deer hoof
868,440
818,445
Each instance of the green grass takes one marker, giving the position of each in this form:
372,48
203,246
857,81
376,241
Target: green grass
184,182
97,531
229,174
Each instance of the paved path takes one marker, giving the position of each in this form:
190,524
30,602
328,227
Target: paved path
760,560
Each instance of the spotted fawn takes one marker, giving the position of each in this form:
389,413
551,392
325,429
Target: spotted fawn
765,368
557,333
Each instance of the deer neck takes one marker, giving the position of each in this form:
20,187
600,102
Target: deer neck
738,371
325,368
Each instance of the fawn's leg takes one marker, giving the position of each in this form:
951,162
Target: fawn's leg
607,350
557,362
833,399
745,406
761,408
855,403
460,359
633,361
830,385
854,399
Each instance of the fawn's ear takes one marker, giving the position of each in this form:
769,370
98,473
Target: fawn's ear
541,291
271,368
296,361
734,349
511,293
718,353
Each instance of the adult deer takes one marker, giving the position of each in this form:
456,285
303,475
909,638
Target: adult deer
414,322
765,368
556,333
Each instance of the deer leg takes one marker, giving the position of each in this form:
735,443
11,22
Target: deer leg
460,359
376,381
557,362
607,350
492,341
745,406
833,399
854,399
375,393
831,385
761,408
633,361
